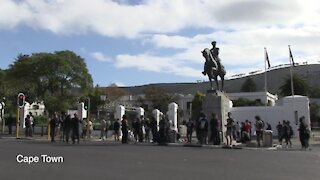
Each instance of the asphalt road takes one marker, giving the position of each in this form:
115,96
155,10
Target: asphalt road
106,160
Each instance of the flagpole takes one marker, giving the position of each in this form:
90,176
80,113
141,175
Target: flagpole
291,71
265,75
295,113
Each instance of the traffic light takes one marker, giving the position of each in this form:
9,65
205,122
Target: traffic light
21,99
86,103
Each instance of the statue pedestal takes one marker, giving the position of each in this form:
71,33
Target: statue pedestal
217,102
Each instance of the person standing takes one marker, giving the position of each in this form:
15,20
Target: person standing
248,130
290,132
67,123
147,128
259,129
215,130
238,131
103,125
32,124
304,133
107,129
10,123
154,130
116,129
75,129
280,132
203,129
190,126
124,129
53,126
229,132
27,124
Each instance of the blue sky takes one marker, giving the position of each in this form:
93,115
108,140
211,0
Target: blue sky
156,41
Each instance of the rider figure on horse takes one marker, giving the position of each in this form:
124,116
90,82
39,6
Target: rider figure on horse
213,67
215,53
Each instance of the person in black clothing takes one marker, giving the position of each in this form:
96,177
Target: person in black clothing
280,132
215,134
163,130
304,133
67,124
53,125
27,124
190,126
137,129
116,128
154,129
147,127
75,129
124,129
10,123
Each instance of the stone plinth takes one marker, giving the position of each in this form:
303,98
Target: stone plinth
217,102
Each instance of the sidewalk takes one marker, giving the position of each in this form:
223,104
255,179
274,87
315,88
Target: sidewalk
314,143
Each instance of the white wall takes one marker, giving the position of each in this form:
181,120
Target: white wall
284,110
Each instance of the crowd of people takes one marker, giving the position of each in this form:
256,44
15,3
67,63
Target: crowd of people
243,131
69,127
143,129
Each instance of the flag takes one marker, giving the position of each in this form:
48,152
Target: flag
291,57
267,59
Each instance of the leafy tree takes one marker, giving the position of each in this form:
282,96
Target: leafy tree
314,92
300,86
248,86
197,105
54,78
314,114
113,92
95,99
159,98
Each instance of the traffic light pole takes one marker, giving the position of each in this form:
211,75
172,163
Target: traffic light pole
17,123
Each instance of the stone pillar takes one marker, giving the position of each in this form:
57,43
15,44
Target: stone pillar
82,113
120,111
173,115
217,102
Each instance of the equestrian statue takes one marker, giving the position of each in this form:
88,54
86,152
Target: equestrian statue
213,67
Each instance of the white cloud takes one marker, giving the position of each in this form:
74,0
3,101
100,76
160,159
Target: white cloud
100,57
241,28
118,18
147,62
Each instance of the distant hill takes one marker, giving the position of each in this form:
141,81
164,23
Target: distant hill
310,73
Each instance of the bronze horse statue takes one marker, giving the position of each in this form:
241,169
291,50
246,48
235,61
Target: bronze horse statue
213,68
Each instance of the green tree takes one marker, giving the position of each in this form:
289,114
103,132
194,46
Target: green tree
159,98
54,78
197,105
300,86
314,114
314,92
249,85
95,99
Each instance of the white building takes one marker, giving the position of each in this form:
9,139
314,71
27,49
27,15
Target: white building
288,108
